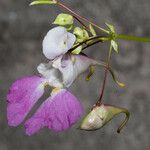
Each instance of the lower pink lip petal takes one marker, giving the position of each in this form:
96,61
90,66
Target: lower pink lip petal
58,112
22,95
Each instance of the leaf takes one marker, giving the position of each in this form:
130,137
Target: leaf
114,45
92,30
102,64
91,72
43,2
114,78
111,27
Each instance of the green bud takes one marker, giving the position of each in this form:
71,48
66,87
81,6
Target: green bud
92,30
114,45
78,32
63,20
111,27
69,28
38,2
91,72
77,50
81,34
101,115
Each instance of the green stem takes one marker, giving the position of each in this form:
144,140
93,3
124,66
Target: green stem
132,38
99,39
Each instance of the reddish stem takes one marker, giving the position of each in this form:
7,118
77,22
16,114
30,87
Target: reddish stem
98,103
81,23
103,88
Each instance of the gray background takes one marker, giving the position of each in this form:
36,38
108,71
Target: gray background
22,29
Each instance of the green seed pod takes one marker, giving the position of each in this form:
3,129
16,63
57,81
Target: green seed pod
101,115
64,20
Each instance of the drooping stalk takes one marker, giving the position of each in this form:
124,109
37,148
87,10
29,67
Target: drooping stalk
98,103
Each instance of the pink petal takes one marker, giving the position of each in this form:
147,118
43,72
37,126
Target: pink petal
22,95
58,113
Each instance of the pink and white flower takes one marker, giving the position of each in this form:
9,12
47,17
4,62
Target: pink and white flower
62,109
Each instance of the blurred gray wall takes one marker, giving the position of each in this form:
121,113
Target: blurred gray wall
22,29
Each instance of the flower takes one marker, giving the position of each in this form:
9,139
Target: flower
57,42
62,109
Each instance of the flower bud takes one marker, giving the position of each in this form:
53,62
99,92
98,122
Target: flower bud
64,20
80,34
92,30
77,50
101,115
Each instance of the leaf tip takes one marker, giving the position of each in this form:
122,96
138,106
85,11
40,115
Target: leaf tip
121,84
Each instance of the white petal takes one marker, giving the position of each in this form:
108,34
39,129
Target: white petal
71,66
65,66
82,63
57,42
52,75
62,71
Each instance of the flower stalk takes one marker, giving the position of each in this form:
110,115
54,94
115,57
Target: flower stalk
98,103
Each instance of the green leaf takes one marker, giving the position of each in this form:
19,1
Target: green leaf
91,72
43,2
93,32
114,45
102,64
114,78
64,19
111,27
